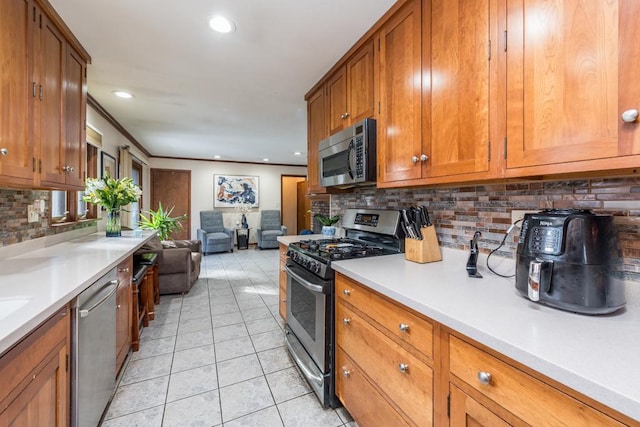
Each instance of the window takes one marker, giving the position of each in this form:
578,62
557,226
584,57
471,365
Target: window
67,206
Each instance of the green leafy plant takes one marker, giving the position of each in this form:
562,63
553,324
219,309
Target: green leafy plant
161,221
327,220
110,192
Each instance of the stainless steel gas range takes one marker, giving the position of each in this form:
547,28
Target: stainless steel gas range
310,290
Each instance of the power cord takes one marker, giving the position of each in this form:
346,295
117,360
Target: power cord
504,239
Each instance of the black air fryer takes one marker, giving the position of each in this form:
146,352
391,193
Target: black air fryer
564,260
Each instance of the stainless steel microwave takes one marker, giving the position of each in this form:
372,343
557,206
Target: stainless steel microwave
348,158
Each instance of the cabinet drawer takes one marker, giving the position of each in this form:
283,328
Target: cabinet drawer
404,378
533,401
352,386
398,320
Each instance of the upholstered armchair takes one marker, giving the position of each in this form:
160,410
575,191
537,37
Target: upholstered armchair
212,233
178,263
270,228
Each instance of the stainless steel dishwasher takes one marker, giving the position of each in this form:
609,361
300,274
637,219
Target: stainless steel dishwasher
94,349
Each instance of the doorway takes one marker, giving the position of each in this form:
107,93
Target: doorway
294,204
172,187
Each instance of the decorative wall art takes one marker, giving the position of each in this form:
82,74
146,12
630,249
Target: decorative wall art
109,166
233,190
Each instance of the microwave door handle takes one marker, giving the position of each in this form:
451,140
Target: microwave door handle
349,150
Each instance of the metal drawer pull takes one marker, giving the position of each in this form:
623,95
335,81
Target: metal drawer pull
403,367
346,373
123,270
347,292
484,377
346,321
4,151
284,300
403,327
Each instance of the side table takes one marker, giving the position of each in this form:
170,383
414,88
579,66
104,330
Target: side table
242,237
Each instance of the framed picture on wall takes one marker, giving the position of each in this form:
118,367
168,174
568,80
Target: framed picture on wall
109,166
232,190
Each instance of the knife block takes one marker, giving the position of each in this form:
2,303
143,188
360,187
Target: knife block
425,250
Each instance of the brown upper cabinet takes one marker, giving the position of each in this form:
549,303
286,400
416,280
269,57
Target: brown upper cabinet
350,90
570,74
43,97
459,86
476,90
399,127
317,130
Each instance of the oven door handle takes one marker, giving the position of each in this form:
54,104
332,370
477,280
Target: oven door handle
310,286
305,370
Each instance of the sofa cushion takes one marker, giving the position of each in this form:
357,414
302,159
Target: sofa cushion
271,234
216,238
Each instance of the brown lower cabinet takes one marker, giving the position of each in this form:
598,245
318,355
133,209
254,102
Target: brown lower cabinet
124,312
35,376
397,367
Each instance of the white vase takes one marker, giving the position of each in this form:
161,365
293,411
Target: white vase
328,230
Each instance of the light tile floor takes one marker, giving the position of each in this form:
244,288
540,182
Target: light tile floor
217,357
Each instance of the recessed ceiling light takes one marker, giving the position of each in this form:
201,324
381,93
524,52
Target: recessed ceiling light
123,94
297,153
221,24
265,160
216,157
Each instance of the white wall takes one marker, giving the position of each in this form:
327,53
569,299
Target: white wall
111,141
202,173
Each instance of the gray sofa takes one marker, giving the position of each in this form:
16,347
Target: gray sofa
212,233
178,263
270,228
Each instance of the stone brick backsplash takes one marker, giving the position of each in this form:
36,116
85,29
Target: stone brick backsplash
458,212
14,227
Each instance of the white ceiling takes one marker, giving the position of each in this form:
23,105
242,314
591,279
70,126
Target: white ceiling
199,93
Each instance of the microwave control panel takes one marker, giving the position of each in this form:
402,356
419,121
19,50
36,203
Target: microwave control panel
359,151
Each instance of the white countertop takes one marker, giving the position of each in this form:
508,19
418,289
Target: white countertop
35,285
598,356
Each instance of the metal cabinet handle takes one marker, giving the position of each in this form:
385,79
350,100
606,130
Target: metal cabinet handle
403,327
403,367
346,115
4,151
346,373
414,159
347,292
346,321
424,157
484,377
123,270
118,306
284,300
629,116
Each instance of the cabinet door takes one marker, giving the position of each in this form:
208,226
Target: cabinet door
360,98
75,93
399,121
466,412
123,312
457,118
316,131
16,92
337,101
35,377
570,75
49,118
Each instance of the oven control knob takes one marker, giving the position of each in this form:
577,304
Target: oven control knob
313,266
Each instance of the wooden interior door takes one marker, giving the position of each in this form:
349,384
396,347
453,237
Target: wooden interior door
172,187
289,202
304,206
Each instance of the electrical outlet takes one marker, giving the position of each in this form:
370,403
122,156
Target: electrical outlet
32,214
519,214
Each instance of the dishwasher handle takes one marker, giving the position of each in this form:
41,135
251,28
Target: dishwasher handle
86,312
